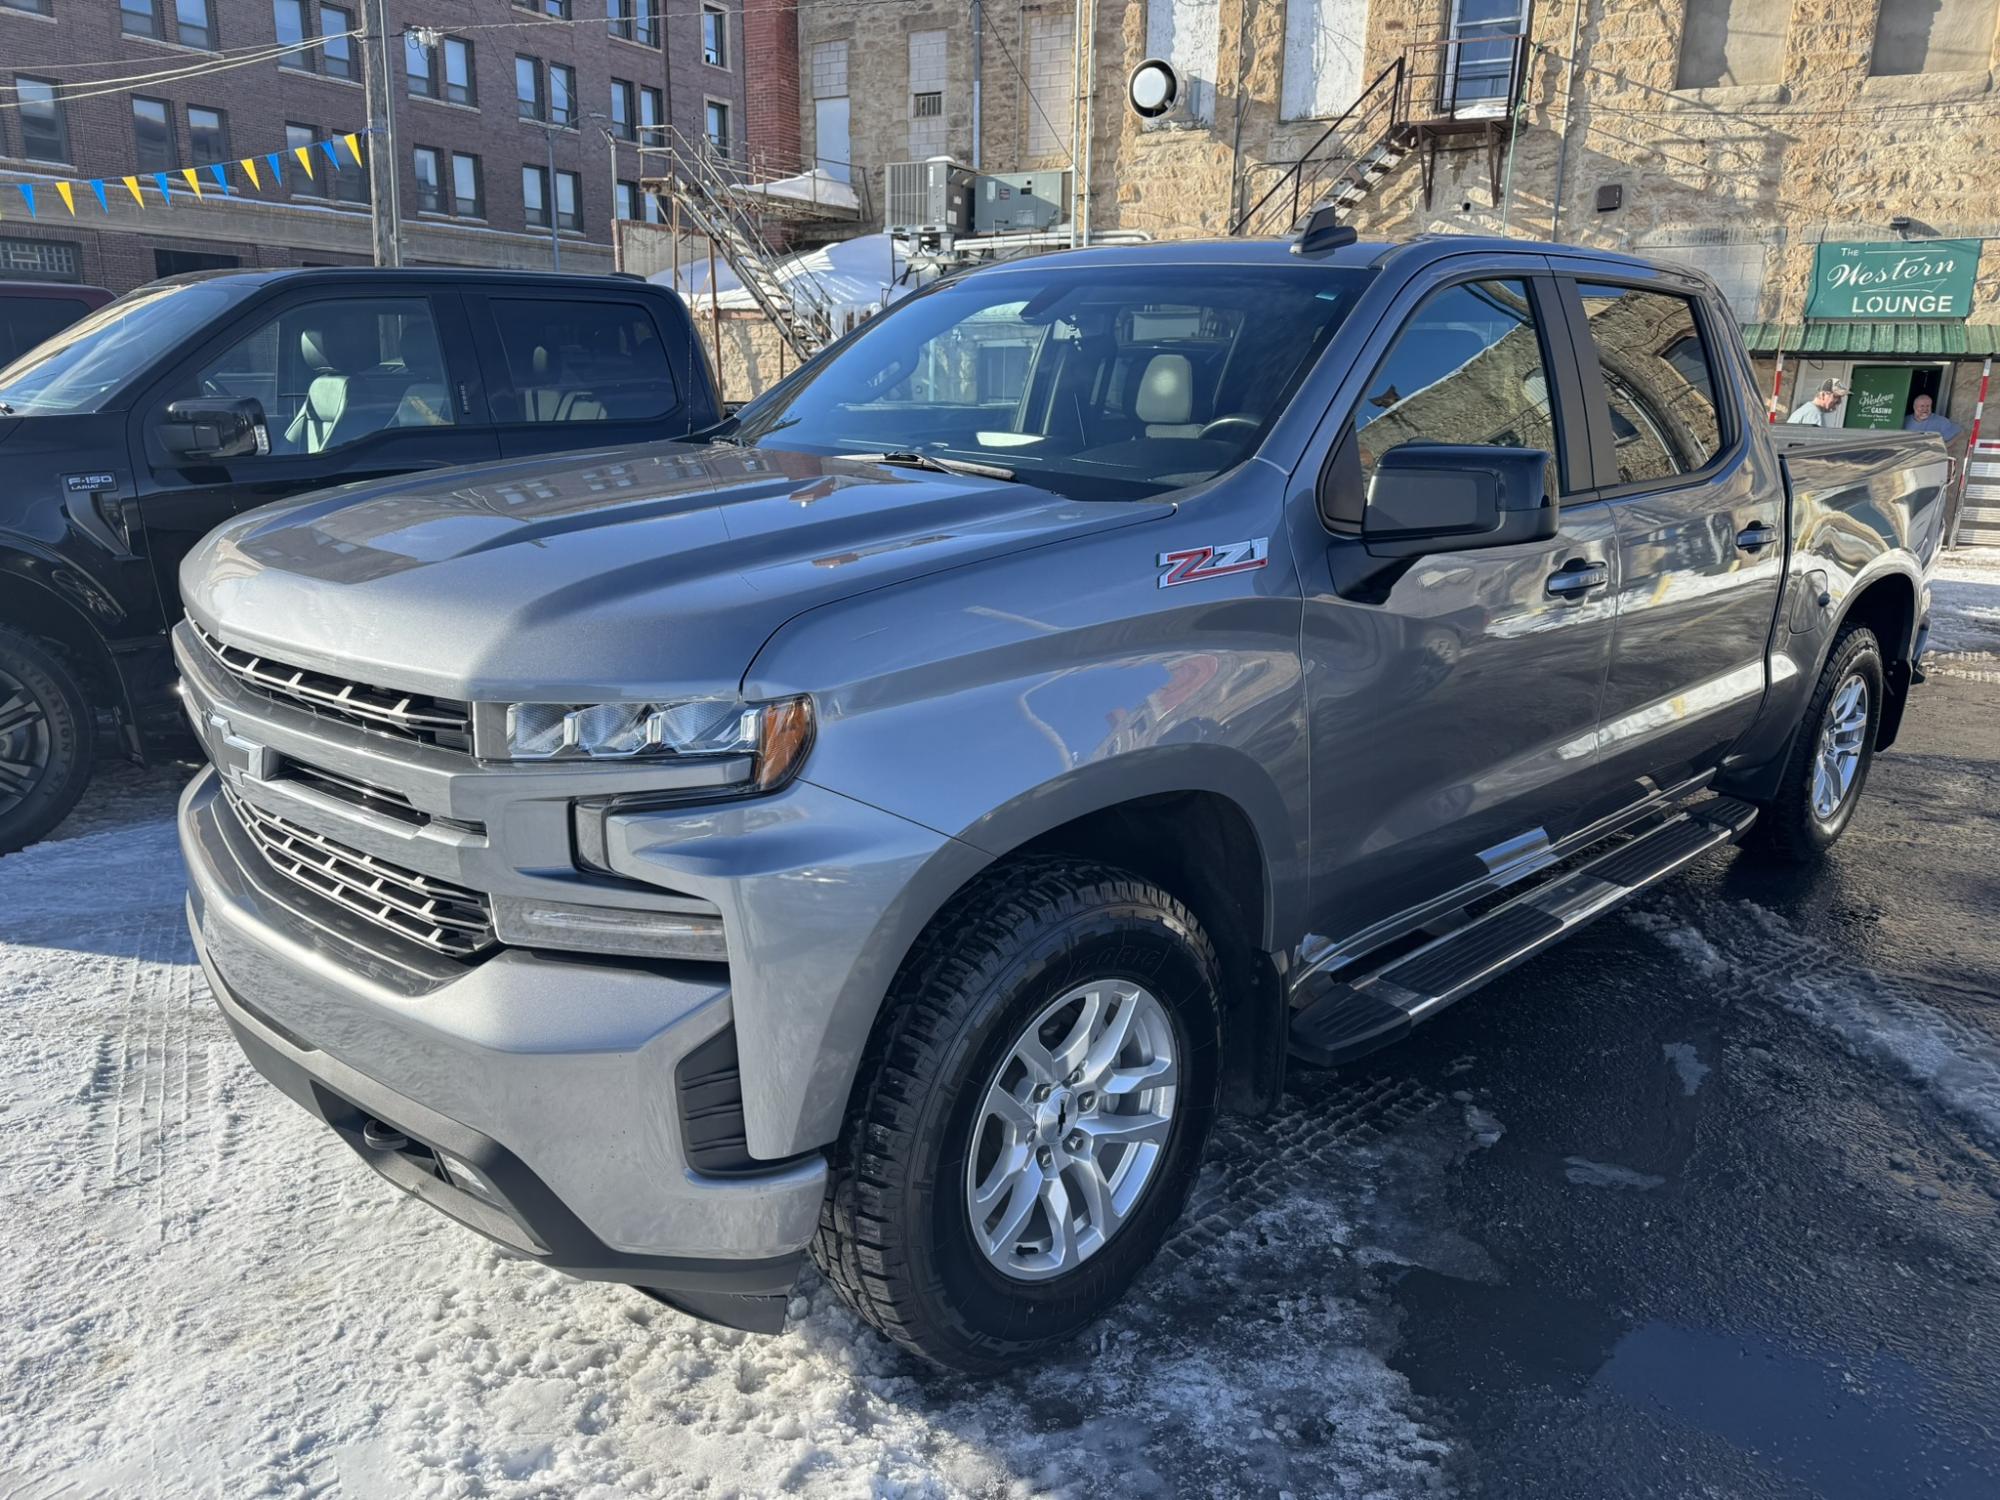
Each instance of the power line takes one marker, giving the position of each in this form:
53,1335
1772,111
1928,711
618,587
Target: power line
94,88
1028,89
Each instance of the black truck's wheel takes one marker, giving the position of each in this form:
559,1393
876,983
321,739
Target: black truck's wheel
1029,1116
1829,760
46,731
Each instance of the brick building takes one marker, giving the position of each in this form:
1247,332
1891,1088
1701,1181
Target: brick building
504,93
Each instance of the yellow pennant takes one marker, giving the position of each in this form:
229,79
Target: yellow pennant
132,187
305,156
250,170
353,139
193,181
68,198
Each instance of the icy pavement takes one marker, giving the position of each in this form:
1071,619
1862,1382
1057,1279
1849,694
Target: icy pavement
209,1294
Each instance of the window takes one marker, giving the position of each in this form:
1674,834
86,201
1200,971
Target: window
459,87
714,37
1656,376
349,182
556,8
33,8
562,94
1323,47
582,362
715,125
468,190
290,18
152,135
623,109
1466,368
194,26
1726,42
625,200
528,89
140,18
430,188
417,67
535,197
444,74
307,136
44,126
650,113
208,134
1934,36
337,51
40,260
634,20
332,373
174,262
927,106
1188,34
569,215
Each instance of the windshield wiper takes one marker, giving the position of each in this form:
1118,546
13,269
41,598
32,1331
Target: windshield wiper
912,460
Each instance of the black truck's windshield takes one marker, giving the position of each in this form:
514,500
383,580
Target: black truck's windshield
1111,382
82,368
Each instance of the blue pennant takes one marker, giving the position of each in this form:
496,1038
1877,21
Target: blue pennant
331,154
276,163
97,187
166,187
28,192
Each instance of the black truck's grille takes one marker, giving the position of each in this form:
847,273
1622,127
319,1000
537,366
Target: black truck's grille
443,917
412,716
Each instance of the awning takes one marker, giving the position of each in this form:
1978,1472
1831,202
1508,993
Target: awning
1851,340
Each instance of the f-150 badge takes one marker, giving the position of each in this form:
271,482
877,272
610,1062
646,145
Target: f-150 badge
1194,564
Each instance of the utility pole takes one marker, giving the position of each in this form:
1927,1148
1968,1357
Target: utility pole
385,204
549,200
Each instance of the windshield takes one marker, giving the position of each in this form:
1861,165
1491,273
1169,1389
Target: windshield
82,367
1106,383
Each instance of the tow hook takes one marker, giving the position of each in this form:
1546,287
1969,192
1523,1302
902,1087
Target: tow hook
379,1137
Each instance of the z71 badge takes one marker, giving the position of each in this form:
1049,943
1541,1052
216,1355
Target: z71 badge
1194,564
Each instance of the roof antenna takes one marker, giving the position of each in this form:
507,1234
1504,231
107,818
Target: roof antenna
1324,231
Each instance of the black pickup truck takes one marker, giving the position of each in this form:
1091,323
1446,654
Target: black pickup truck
128,435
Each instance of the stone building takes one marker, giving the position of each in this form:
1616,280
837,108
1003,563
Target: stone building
516,113
1733,136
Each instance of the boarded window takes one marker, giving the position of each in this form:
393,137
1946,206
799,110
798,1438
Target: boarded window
1933,36
1187,34
928,60
1731,42
1323,44
1051,83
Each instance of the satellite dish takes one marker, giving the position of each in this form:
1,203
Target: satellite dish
1153,88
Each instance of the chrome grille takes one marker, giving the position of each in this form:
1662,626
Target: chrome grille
412,716
443,917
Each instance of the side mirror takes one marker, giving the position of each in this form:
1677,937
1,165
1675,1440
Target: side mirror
210,427
1438,497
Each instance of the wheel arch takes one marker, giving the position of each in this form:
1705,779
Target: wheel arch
34,605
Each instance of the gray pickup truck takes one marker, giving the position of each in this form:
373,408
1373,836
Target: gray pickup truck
889,829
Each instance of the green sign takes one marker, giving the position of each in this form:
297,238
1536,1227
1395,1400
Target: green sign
1877,396
1900,280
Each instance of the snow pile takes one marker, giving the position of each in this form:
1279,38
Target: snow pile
863,274
815,186
1965,603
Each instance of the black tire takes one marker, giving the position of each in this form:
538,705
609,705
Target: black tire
1788,826
47,740
895,1238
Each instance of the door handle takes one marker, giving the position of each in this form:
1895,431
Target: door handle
1578,577
1755,537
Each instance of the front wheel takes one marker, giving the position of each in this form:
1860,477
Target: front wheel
1829,760
46,729
1029,1117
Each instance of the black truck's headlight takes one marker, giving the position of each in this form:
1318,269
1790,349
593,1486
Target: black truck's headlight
775,736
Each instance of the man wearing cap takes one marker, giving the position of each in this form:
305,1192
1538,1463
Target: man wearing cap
1818,412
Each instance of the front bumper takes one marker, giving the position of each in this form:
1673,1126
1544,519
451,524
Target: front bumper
552,1078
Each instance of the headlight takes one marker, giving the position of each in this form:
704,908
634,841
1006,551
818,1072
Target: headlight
775,735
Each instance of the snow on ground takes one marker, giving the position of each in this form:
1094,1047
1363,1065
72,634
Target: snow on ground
207,1293
1965,603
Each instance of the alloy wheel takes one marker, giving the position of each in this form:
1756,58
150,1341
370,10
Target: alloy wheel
1841,736
25,742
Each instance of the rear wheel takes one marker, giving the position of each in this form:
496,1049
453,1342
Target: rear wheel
45,740
1830,758
1029,1117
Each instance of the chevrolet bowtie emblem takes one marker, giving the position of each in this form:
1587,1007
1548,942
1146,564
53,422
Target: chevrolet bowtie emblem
237,758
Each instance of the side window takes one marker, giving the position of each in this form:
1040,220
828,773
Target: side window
1467,368
26,321
582,362
1657,381
331,373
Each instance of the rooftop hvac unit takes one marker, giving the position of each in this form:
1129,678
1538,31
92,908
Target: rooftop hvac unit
1019,202
928,200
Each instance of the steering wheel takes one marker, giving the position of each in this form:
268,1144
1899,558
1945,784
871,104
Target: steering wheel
1221,425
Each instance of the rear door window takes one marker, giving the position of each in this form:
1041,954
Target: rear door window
26,321
599,360
1659,382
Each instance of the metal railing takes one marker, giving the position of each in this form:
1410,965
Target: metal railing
1367,124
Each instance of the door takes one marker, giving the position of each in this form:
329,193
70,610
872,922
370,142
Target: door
1453,721
1701,517
834,150
352,387
1481,61
578,370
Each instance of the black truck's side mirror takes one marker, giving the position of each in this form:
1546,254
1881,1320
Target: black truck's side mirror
212,427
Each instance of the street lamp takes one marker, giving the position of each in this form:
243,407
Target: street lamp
551,198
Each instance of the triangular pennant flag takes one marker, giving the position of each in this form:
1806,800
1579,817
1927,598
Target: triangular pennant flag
353,140
277,165
132,187
192,180
221,176
304,154
97,187
68,197
332,154
28,192
250,171
166,186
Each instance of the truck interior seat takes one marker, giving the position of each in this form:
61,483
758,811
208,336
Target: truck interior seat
1165,401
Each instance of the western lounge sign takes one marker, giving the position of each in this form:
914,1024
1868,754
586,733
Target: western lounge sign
1896,280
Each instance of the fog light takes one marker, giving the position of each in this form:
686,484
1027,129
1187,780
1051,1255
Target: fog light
464,1175
608,929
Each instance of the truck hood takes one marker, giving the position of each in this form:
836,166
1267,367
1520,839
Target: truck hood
635,572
